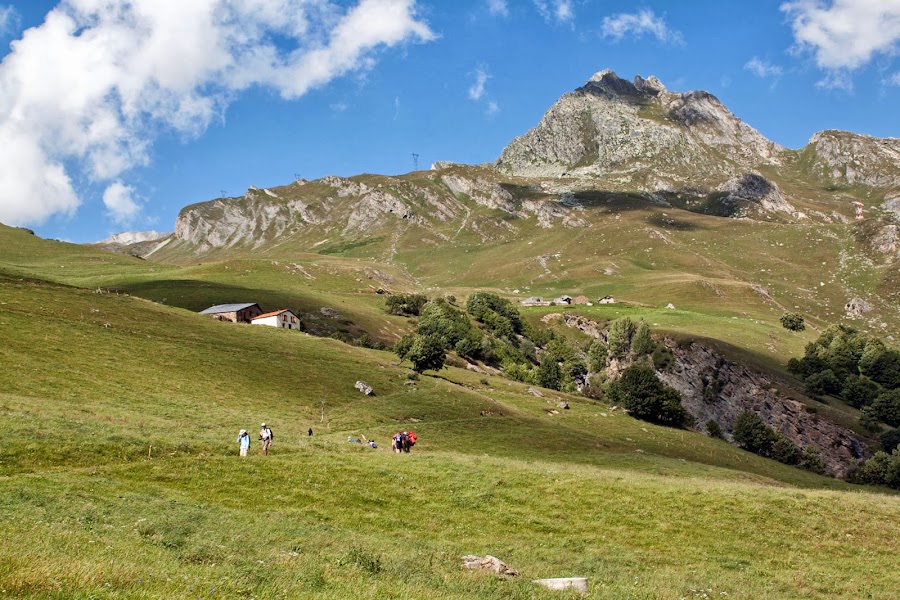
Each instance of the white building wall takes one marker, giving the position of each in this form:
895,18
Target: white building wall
284,320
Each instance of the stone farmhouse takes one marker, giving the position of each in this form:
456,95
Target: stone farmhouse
283,318
236,313
534,301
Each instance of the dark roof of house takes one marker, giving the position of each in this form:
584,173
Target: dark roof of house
224,308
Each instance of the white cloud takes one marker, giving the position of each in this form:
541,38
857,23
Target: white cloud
493,108
639,24
9,19
845,34
560,11
895,80
120,203
763,69
85,93
836,80
498,7
476,91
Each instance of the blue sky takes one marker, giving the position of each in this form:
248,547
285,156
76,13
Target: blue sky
114,115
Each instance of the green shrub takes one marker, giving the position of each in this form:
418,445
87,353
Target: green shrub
409,305
823,382
662,357
793,322
598,356
442,320
876,470
594,386
751,433
640,391
785,451
890,439
860,391
519,372
886,407
427,353
549,374
619,337
714,430
811,460
642,342
499,314
401,348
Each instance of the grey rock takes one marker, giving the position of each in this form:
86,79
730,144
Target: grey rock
857,307
488,563
364,388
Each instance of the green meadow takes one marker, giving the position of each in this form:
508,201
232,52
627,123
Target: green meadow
120,475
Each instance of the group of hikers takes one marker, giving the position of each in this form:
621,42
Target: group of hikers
266,437
402,441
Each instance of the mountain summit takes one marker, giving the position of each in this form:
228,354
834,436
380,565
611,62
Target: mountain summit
612,128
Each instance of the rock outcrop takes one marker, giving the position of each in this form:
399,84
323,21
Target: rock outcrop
755,191
612,127
713,388
850,158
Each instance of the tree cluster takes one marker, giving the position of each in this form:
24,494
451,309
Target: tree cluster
640,391
881,469
406,305
490,330
857,368
751,433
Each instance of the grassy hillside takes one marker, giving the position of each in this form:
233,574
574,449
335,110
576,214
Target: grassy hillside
119,474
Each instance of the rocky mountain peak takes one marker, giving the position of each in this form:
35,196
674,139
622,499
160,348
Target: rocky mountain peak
616,130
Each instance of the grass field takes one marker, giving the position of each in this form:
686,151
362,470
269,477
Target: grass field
119,475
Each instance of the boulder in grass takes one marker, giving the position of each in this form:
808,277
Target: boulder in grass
364,388
488,563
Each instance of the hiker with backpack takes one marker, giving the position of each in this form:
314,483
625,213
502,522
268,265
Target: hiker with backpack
243,442
398,442
266,437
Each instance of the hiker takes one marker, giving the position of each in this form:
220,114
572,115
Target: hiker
243,442
266,436
309,433
371,444
399,442
412,437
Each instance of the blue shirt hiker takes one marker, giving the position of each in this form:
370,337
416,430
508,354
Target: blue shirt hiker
244,441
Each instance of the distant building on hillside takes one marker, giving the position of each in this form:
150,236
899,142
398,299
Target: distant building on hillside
581,300
563,300
606,300
283,318
534,301
236,313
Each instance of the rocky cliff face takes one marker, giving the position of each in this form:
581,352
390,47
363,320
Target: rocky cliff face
351,208
613,128
851,159
713,388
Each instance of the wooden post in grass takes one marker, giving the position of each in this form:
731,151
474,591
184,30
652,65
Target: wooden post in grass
323,411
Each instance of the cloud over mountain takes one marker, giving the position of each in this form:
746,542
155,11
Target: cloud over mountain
845,35
84,95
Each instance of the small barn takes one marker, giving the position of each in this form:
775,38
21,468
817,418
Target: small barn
283,318
236,313
534,301
581,300
606,300
563,300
